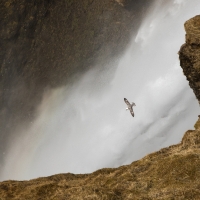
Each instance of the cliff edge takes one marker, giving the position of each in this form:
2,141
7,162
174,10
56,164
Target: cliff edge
189,54
171,173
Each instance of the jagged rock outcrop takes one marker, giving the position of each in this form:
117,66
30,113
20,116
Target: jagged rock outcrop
189,54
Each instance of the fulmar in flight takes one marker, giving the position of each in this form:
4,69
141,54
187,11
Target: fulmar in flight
130,106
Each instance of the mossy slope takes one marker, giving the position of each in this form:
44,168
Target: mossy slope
171,173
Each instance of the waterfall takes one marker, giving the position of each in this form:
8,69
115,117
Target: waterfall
85,126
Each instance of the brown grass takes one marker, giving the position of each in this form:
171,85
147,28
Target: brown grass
171,173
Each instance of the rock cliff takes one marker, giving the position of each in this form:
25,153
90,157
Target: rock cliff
171,173
190,54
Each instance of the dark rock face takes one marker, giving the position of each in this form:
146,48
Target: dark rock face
44,43
189,54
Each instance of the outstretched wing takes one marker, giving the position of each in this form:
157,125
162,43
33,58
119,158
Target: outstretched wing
127,102
131,111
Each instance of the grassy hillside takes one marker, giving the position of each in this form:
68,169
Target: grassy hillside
171,173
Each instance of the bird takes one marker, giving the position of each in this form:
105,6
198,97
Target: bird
130,106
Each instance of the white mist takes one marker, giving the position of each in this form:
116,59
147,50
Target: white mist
85,127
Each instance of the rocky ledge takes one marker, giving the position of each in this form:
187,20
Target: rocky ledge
189,54
171,173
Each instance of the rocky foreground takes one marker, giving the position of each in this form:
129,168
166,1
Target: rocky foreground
171,173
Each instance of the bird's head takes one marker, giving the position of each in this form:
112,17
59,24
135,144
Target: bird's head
133,104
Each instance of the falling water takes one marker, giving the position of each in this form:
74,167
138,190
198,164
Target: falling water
85,127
